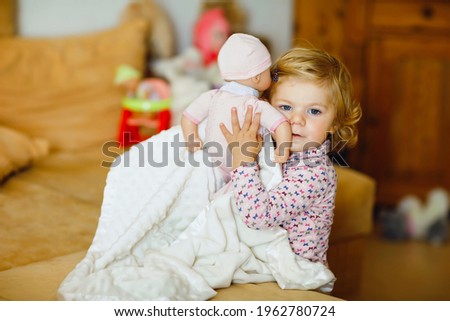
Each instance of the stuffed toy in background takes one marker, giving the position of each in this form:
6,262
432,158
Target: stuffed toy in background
414,220
200,60
195,70
210,32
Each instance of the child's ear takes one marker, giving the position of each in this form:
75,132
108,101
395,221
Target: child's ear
334,129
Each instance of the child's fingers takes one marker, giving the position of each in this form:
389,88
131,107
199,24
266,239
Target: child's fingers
235,121
259,138
225,132
248,118
255,123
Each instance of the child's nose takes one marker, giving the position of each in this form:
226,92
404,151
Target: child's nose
298,118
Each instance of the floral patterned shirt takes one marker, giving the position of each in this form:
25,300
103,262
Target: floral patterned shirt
302,203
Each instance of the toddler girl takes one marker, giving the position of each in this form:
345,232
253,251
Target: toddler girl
314,91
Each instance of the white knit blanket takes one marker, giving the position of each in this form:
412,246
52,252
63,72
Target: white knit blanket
165,234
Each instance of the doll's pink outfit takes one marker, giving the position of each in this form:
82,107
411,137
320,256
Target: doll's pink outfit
216,104
241,57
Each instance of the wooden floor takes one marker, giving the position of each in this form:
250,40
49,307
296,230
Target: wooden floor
406,270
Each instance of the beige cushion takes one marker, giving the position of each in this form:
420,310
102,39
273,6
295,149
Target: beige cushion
37,281
40,281
355,199
62,89
53,208
267,292
18,151
38,223
79,174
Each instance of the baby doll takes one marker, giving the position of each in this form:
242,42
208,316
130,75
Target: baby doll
244,64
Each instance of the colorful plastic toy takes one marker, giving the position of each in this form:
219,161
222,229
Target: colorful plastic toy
145,114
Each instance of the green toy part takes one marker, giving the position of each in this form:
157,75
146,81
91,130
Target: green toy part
144,105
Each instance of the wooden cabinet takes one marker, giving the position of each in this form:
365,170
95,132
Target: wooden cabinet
408,113
399,55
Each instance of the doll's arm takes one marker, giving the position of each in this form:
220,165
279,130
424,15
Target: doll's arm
280,128
190,133
283,136
194,114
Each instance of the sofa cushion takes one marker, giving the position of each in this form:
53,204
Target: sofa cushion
54,208
38,281
41,280
62,89
78,174
18,151
355,199
37,223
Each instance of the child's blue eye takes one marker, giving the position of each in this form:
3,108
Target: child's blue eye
285,107
314,111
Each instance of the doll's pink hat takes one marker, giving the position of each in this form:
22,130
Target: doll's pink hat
243,56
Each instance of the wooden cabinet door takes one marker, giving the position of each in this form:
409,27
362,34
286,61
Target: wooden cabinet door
406,138
336,26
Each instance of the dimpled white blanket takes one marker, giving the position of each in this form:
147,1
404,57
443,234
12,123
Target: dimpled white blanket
165,234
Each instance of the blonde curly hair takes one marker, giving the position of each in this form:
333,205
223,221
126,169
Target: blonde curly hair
320,67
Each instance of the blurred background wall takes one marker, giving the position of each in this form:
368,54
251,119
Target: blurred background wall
271,19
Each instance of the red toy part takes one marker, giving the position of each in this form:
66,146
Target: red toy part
143,118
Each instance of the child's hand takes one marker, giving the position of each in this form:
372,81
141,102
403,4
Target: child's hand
244,143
